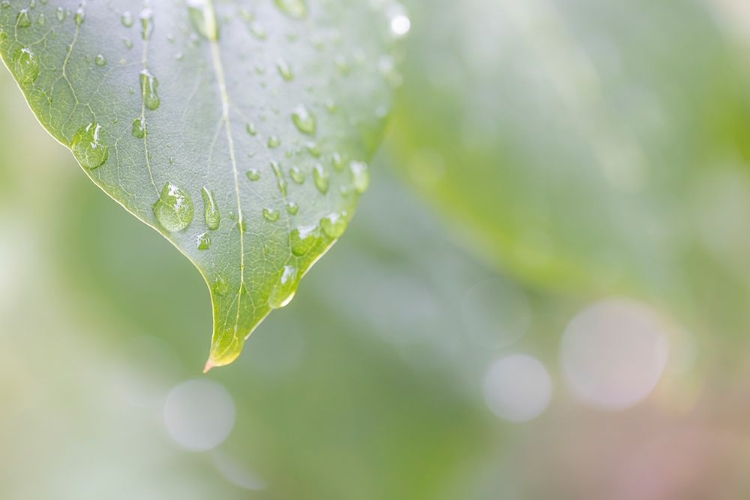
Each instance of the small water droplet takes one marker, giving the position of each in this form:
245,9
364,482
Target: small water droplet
42,19
203,241
337,161
320,177
253,174
80,15
250,128
147,23
127,42
292,208
100,60
203,18
270,214
88,148
313,148
23,20
296,174
258,31
284,69
360,176
242,223
25,66
174,208
334,225
303,239
61,14
280,182
211,213
126,19
149,84
221,287
292,8
285,288
273,142
139,128
303,120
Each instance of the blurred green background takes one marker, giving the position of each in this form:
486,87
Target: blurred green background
544,294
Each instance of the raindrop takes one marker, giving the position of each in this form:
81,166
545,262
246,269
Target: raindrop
149,84
61,14
334,225
271,215
285,288
42,19
221,287
320,177
127,43
79,16
210,209
253,174
127,19
87,147
23,20
296,174
174,208
279,177
303,239
293,8
203,242
139,128
258,30
360,176
250,128
313,149
273,142
100,60
25,65
337,161
292,208
284,69
303,120
147,23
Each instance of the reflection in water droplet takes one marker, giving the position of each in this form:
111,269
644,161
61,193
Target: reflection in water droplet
174,208
334,225
303,239
139,128
280,182
127,19
25,66
320,177
360,176
285,288
149,84
88,148
210,209
203,242
296,175
270,214
293,8
203,18
284,69
23,20
147,23
303,120
292,208
100,60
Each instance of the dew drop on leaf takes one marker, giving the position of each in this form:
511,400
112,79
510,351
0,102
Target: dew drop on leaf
147,23
88,148
284,70
221,287
25,65
250,128
292,208
284,290
203,242
333,225
258,31
23,20
303,120
273,142
149,84
270,214
292,8
320,177
360,176
139,128
303,239
296,174
280,182
61,14
79,16
126,19
100,60
210,209
253,174
337,162
174,208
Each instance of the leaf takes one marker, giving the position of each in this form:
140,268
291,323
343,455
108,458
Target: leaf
570,140
239,131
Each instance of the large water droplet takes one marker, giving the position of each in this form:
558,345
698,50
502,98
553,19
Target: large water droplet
210,209
25,66
303,239
203,242
88,148
203,18
174,208
23,20
149,84
360,176
270,214
334,225
147,23
284,70
303,120
285,288
320,177
292,8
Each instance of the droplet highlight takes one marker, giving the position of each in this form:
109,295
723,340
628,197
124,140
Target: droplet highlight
285,288
88,148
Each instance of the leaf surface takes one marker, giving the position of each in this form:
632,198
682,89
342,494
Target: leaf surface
239,130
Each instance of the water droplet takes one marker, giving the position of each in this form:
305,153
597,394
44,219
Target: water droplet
127,43
79,16
330,105
270,214
313,148
203,18
203,241
292,208
292,8
342,65
303,239
285,288
253,174
337,161
221,287
23,20
242,223
320,177
5,4
42,19
127,19
25,66
280,182
149,84
303,120
88,148
210,209
61,14
297,175
334,225
284,69
273,142
250,128
360,176
100,60
174,208
147,23
258,30
139,128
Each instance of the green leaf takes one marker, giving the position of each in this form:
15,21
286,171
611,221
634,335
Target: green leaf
239,131
570,141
